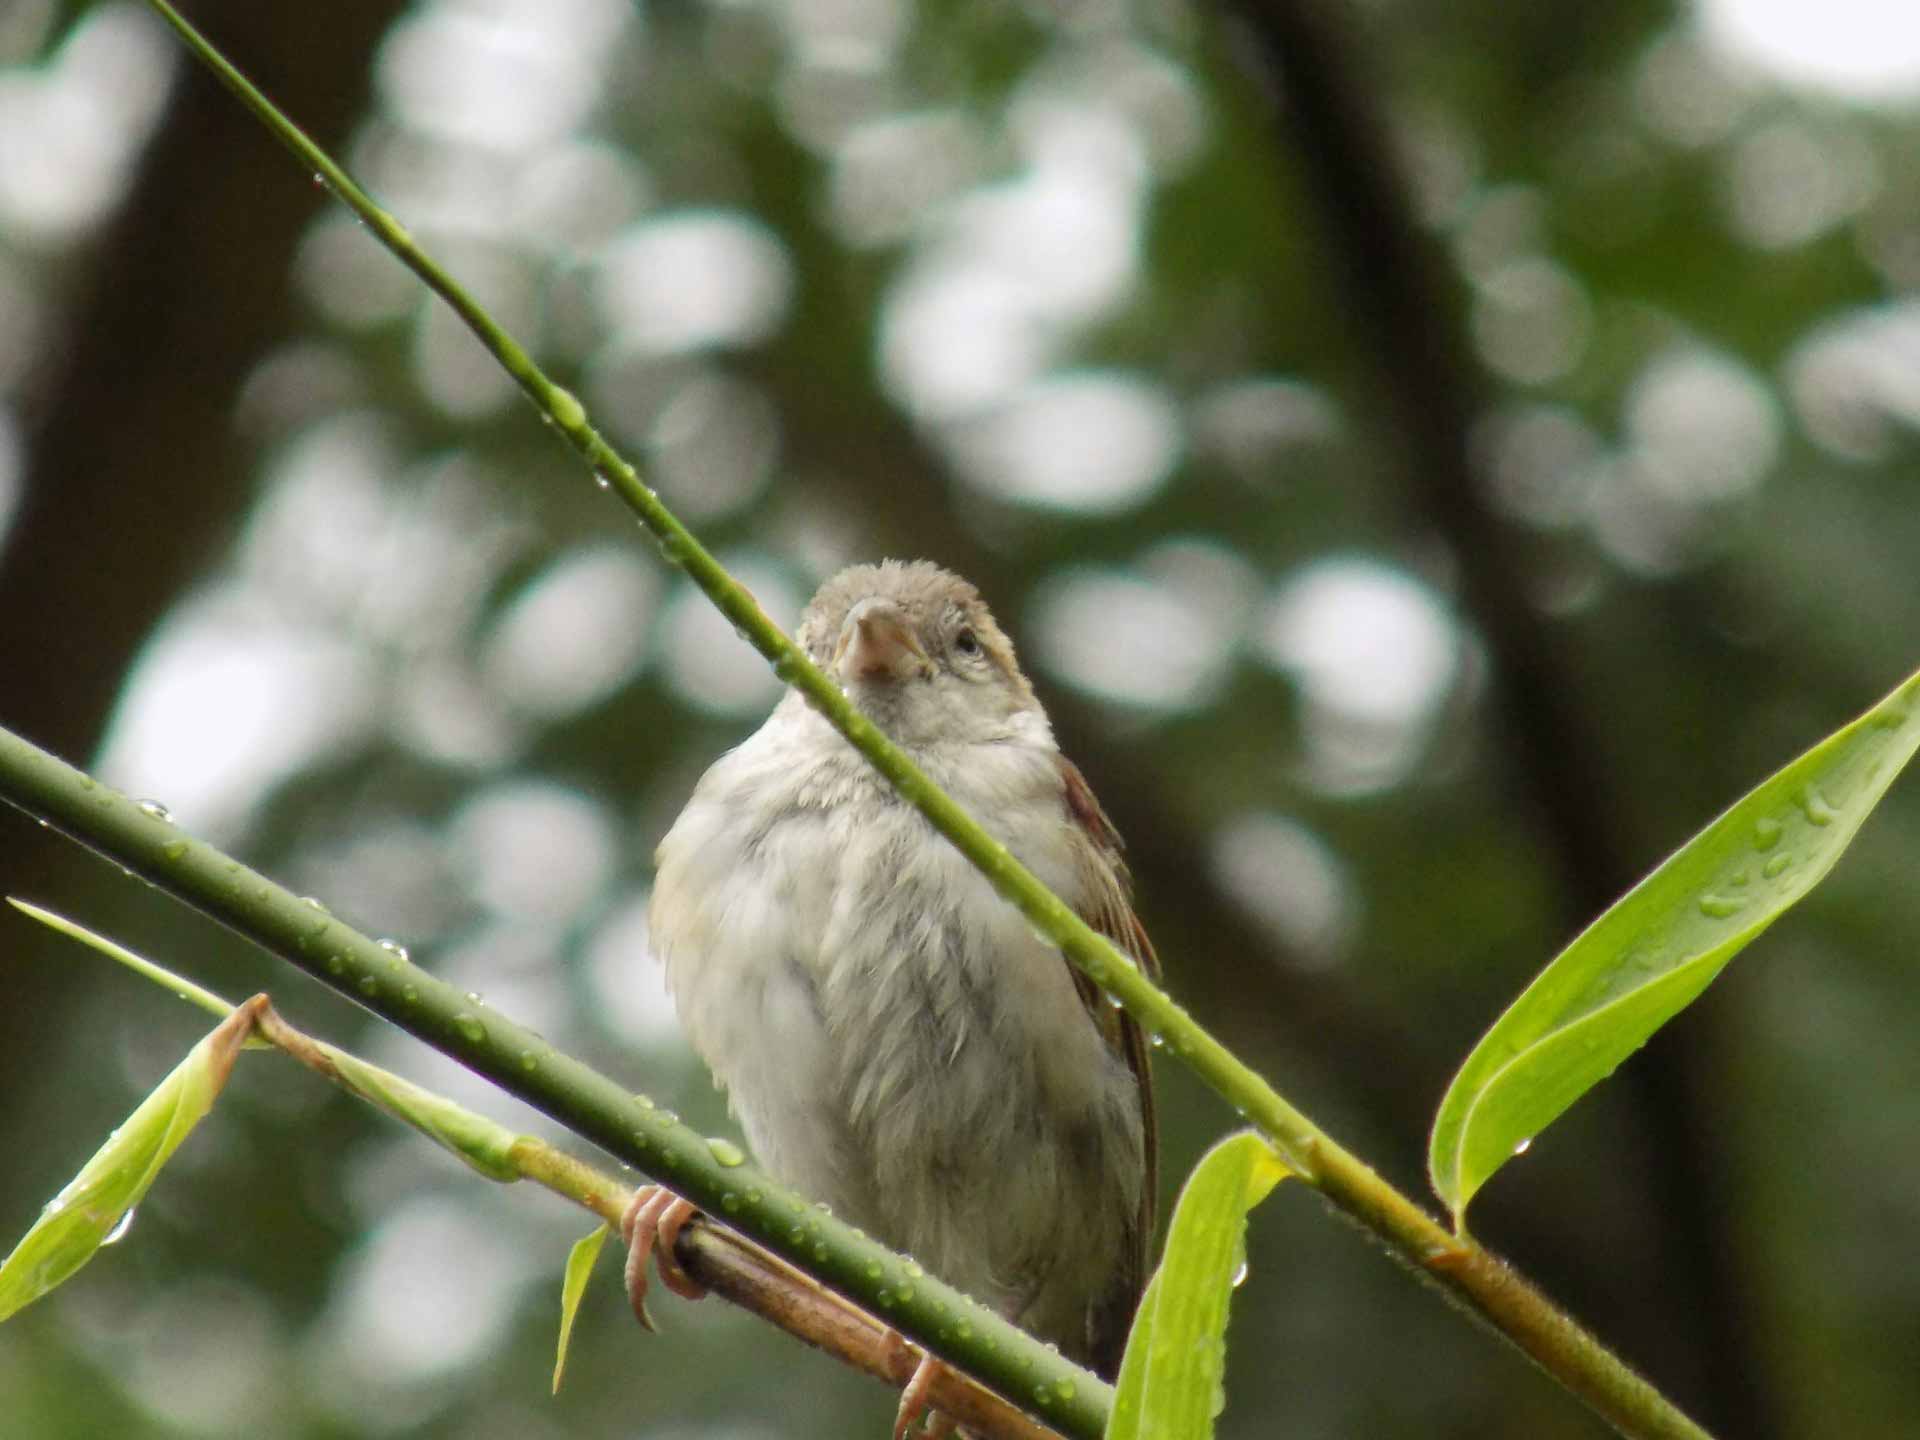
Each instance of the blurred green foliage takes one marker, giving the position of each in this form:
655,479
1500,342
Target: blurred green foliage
1408,580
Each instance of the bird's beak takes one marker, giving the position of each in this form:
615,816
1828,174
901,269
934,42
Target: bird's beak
876,643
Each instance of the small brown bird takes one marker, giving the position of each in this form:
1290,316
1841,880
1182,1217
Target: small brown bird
893,1036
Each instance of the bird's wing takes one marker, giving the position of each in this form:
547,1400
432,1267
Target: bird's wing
1109,910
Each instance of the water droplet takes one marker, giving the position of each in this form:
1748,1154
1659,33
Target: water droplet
174,849
1064,1389
1043,1395
313,902
1156,1041
730,1202
913,1269
409,994
726,1152
645,1102
369,986
1776,867
529,1061
873,1270
665,1119
753,1196
1767,833
120,1227
470,1027
87,782
1239,1274
1523,1146
906,1293
1819,812
1719,907
473,998
336,964
600,479
820,1252
154,810
395,949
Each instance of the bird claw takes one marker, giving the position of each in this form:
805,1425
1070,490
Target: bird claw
916,1400
652,1228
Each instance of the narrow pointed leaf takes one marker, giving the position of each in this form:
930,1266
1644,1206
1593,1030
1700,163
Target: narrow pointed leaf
89,1211
1658,947
573,1289
1170,1385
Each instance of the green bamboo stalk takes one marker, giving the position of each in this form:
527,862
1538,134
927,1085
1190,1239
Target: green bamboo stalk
378,975
1478,1279
727,1264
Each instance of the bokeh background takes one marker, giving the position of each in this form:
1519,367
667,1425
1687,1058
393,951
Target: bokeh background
1433,456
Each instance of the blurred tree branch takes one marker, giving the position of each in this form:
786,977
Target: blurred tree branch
130,419
1408,303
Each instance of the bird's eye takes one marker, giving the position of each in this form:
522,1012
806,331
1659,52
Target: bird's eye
966,642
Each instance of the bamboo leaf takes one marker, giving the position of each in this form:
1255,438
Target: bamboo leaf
1657,948
94,1207
573,1289
1170,1385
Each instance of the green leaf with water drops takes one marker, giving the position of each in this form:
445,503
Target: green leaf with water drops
1642,962
94,1207
573,1289
1170,1384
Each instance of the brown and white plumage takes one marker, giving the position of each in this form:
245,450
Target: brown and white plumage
894,1037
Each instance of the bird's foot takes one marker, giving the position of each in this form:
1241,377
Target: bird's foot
916,1399
652,1226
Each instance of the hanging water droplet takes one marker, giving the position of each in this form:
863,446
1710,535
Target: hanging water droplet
154,810
1239,1274
1819,812
1523,1146
395,949
120,1227
473,998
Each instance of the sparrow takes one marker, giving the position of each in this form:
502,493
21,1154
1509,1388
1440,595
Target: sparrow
894,1038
